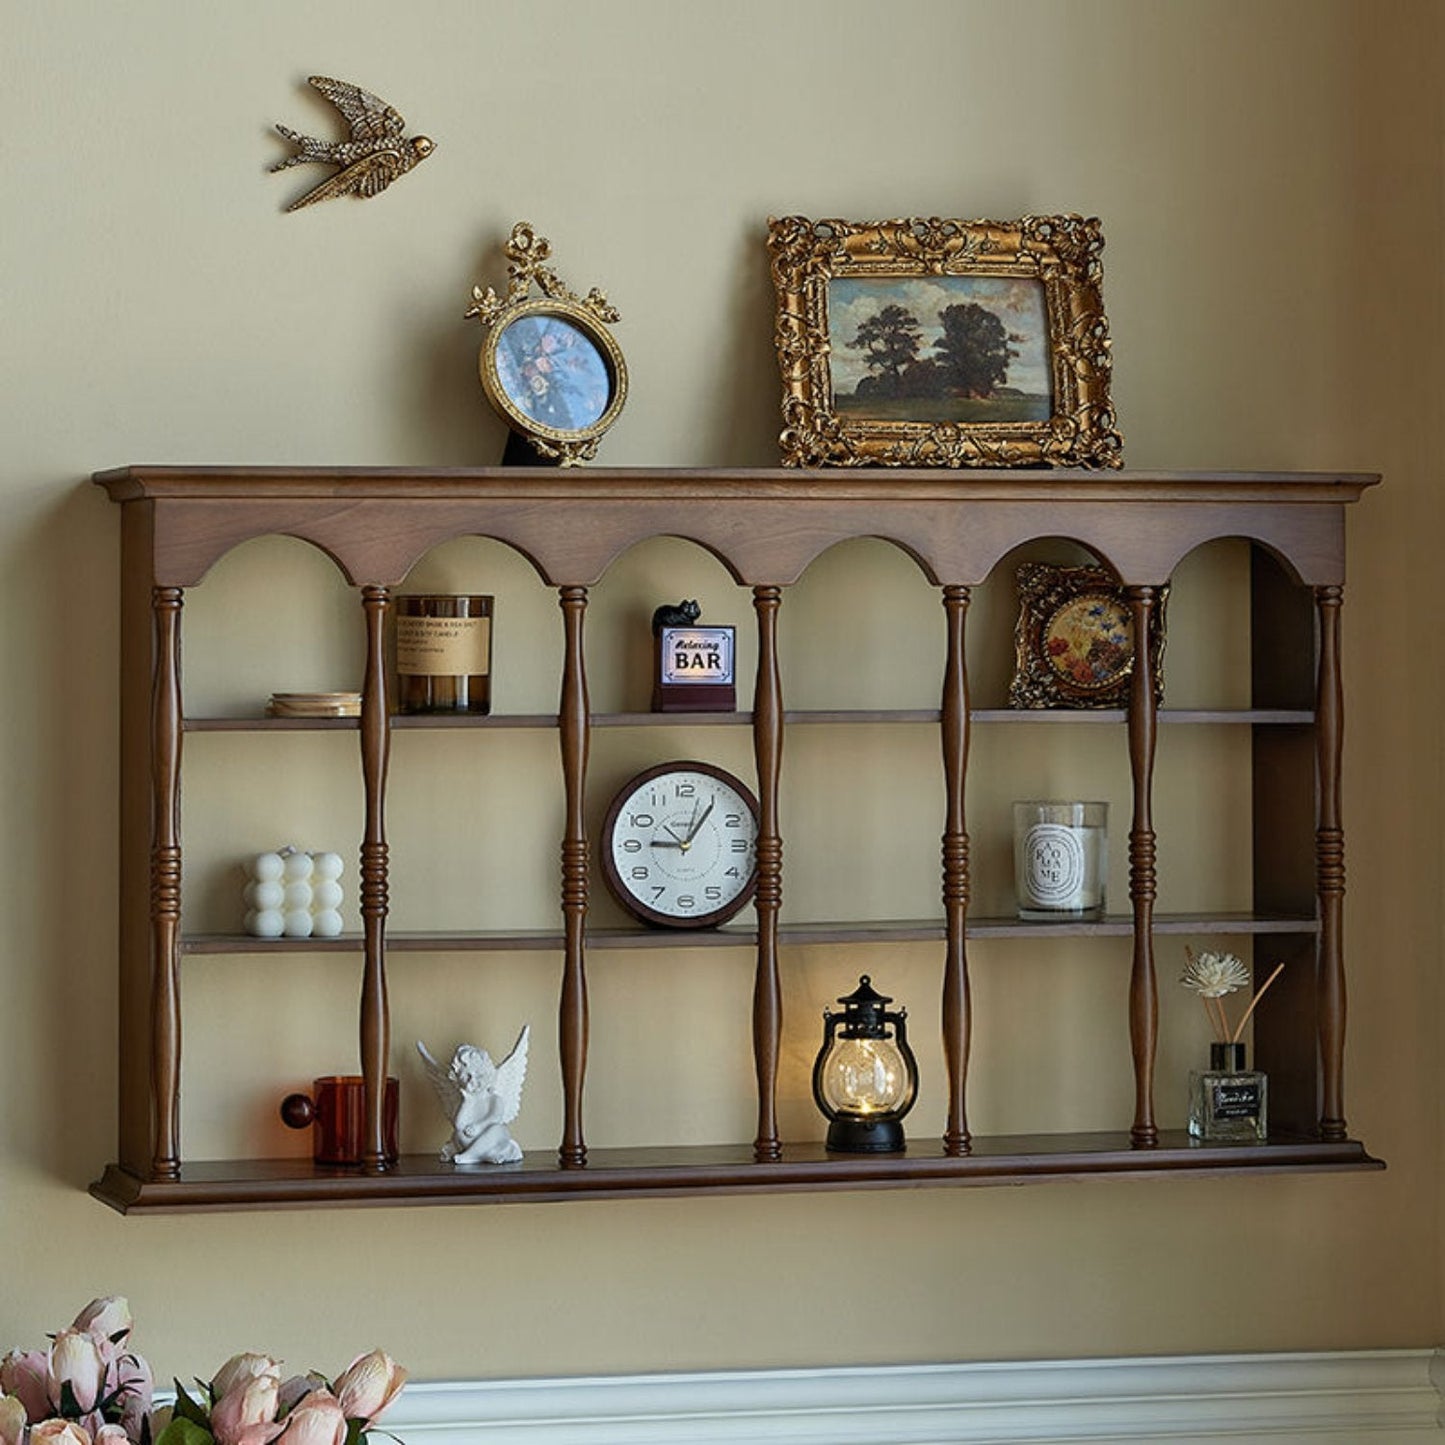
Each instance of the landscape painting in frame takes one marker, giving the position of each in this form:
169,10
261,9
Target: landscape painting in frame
925,342
940,349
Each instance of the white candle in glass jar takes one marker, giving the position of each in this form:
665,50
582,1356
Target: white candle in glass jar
1060,859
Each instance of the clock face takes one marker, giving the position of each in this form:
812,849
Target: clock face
679,846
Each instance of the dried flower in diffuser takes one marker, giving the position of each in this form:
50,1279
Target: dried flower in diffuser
1211,976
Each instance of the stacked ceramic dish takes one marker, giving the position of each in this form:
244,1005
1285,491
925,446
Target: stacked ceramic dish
314,704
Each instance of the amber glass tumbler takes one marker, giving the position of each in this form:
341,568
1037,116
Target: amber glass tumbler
337,1108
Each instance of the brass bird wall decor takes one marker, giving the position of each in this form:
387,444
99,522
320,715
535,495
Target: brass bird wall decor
370,159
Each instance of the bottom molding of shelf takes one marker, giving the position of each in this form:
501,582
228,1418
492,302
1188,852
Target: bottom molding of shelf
712,1169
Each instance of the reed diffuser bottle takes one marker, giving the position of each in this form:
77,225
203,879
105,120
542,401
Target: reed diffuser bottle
1227,1101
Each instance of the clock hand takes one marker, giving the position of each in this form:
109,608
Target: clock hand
692,832
668,843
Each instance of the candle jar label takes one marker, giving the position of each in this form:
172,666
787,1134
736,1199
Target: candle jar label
1060,857
444,653
443,646
1054,860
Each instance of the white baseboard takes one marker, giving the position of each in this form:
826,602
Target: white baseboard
1358,1398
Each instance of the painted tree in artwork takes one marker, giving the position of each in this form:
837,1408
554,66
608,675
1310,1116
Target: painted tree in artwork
974,350
890,340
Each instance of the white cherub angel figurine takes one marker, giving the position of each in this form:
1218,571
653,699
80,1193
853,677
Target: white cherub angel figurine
480,1098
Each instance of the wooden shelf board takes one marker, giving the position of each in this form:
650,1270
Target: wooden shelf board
837,716
711,1169
905,930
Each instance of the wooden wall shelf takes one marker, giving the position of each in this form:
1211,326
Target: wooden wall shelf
765,527
720,1169
1263,717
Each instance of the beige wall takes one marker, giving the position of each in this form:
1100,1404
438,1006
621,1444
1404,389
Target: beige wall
1269,179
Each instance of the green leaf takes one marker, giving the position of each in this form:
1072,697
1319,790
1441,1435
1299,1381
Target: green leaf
356,1432
189,1410
69,1405
182,1431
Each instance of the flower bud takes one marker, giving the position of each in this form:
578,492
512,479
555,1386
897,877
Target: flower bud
317,1420
108,1317
132,1383
26,1375
76,1361
111,1435
368,1385
59,1432
294,1390
246,1414
241,1368
12,1420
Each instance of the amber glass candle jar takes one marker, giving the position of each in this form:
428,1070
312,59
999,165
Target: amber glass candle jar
444,653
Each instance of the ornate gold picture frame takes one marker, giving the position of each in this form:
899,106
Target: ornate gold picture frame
1074,641
913,343
549,365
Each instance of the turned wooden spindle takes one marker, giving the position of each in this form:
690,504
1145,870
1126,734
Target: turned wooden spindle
375,754
573,732
767,988
1143,986
1330,863
957,1017
166,604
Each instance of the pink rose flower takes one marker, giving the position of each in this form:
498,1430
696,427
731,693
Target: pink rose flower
368,1385
75,1360
131,1377
59,1432
107,1317
241,1368
317,1420
294,1390
246,1415
12,1420
26,1375
111,1435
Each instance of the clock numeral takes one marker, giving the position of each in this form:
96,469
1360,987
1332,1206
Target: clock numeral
686,900
732,820
657,892
641,820
640,872
631,845
740,845
687,790
732,873
713,895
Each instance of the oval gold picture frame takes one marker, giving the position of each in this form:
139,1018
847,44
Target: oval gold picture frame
502,379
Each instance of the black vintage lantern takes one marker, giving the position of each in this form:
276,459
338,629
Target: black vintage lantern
865,1077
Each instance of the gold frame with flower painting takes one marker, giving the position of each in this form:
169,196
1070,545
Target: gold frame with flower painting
1074,639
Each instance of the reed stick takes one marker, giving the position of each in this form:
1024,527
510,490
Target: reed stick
1253,1004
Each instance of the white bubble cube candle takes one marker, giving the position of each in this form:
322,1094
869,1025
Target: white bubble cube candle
293,894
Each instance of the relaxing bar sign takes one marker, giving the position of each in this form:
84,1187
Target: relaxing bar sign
694,670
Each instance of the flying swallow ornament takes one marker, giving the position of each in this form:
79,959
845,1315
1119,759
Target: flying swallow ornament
375,153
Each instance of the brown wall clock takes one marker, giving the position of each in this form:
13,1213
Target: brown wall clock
679,845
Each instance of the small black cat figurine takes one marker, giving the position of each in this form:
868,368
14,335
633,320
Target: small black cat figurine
683,615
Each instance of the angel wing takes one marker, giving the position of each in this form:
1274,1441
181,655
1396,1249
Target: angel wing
511,1074
448,1091
369,117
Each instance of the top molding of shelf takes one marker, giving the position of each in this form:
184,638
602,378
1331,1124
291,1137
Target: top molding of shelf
765,525
684,483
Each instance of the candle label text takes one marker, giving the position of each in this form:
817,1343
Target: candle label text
444,646
1054,864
